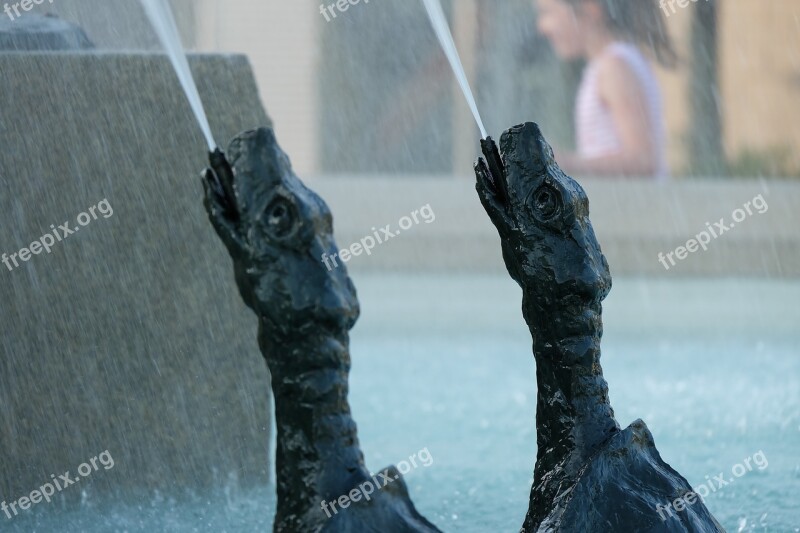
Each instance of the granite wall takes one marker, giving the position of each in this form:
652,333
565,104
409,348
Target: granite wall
129,336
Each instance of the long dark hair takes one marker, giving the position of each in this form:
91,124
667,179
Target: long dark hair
641,22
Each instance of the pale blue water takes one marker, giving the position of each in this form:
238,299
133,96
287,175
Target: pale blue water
713,367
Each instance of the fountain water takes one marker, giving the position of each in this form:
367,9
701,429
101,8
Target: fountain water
439,21
160,15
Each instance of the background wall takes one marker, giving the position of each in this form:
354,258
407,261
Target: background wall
758,69
462,239
130,336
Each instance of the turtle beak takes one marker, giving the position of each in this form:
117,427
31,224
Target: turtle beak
223,176
495,164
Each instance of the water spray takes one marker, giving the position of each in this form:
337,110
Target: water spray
160,15
442,29
440,26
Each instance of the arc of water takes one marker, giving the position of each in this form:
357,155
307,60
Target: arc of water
442,29
160,15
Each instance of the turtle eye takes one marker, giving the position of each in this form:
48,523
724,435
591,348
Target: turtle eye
546,203
279,219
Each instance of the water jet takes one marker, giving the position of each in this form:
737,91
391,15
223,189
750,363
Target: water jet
440,26
160,15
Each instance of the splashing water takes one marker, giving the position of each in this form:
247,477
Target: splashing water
160,15
439,21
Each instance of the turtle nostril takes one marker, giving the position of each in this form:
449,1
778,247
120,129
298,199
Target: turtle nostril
593,283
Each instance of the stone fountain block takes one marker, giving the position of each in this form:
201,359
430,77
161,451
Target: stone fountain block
130,336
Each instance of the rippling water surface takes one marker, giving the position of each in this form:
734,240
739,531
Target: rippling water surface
713,367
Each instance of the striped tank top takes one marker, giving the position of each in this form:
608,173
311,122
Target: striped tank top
597,135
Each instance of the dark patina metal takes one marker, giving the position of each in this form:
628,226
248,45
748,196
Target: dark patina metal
590,475
276,231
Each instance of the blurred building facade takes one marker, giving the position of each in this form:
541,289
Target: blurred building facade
369,91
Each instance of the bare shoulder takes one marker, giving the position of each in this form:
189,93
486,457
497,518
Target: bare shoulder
612,67
616,77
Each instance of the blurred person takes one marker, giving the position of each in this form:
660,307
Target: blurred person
618,113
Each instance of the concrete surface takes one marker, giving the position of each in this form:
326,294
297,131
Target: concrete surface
130,335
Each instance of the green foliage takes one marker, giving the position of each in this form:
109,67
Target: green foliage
771,163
